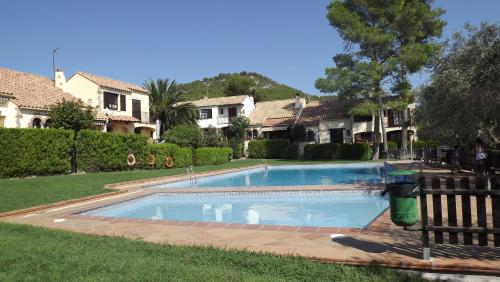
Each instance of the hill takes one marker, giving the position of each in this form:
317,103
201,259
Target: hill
266,88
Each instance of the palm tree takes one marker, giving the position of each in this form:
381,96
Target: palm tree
169,105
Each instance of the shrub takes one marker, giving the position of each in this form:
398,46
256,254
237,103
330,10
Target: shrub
257,149
238,151
212,138
212,155
327,151
99,151
355,152
182,157
271,149
34,151
337,151
184,136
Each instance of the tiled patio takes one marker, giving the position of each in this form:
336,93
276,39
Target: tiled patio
381,243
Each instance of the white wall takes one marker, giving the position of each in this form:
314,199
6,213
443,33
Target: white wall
325,126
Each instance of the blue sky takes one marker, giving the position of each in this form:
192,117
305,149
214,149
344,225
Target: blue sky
289,41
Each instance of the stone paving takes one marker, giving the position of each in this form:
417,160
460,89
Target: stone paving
380,243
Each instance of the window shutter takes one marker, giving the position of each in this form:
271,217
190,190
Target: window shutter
123,103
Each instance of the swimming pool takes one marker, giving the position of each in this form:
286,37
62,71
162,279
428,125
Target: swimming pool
345,208
290,175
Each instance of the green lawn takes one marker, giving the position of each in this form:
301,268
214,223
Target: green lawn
39,254
28,192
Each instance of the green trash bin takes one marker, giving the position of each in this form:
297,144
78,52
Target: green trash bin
403,202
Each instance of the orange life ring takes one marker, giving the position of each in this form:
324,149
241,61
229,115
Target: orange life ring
169,162
131,160
151,160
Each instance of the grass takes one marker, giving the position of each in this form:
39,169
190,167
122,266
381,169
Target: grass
33,253
28,192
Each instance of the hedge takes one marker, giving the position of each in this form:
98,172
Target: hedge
337,151
238,151
212,155
182,157
103,151
272,149
34,151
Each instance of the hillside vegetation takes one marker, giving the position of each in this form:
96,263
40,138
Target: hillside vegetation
266,88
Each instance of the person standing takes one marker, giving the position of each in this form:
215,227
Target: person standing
480,157
455,159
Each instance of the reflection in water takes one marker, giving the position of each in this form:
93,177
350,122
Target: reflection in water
252,217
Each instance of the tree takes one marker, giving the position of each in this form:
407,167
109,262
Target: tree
237,129
184,136
238,84
71,114
462,100
379,36
169,105
212,138
416,28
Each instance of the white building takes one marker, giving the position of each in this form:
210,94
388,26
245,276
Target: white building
121,106
25,99
330,122
218,112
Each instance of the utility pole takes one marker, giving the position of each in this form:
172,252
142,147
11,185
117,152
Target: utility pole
54,62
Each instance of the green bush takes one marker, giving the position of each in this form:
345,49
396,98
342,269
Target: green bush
355,152
272,149
102,151
182,157
337,151
34,151
327,151
212,155
184,136
238,151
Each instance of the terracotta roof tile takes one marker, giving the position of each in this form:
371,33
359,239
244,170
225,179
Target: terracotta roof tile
273,112
112,83
30,90
220,101
123,118
316,111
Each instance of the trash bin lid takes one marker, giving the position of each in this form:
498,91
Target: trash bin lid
403,189
401,172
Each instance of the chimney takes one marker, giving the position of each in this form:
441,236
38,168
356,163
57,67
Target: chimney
60,79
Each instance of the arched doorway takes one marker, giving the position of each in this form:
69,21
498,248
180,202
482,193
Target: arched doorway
48,123
36,123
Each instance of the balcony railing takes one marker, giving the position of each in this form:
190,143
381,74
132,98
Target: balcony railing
222,120
144,117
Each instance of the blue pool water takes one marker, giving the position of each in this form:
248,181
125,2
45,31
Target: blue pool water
299,208
291,175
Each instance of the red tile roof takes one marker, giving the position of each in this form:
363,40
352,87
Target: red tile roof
123,118
30,90
273,113
316,111
112,83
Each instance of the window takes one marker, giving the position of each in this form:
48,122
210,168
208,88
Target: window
221,111
205,113
136,109
311,135
110,101
123,103
2,122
